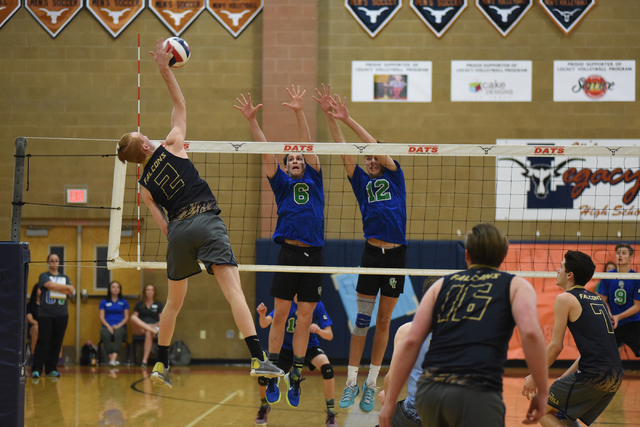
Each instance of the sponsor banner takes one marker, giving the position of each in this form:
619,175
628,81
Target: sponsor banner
235,15
594,81
115,15
491,81
373,15
567,14
53,15
549,185
504,15
177,15
438,15
399,81
7,9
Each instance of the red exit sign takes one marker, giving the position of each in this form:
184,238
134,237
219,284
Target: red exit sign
77,196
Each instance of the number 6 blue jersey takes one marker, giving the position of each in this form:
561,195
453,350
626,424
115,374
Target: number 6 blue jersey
174,182
300,207
383,204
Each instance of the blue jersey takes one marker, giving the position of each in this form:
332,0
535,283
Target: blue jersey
621,295
114,311
383,204
300,207
320,318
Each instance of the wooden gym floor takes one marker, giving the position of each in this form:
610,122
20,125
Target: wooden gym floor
228,396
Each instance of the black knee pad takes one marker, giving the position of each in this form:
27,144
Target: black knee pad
327,371
263,381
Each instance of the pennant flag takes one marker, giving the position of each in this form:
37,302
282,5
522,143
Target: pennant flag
233,15
438,15
505,15
53,16
371,15
177,15
115,16
7,9
566,15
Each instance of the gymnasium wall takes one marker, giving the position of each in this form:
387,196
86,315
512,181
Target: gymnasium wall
83,85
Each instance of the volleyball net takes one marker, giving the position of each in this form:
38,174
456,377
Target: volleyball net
548,196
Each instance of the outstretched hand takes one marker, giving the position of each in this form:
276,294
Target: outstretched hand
324,98
296,98
247,110
339,106
161,55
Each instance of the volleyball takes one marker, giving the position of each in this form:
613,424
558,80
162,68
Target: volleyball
180,51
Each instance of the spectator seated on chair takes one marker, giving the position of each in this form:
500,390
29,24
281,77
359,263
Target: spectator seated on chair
145,320
114,315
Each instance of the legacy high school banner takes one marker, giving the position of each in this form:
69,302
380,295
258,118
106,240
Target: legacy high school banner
552,186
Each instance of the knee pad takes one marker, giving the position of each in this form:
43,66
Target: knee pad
327,371
363,317
263,381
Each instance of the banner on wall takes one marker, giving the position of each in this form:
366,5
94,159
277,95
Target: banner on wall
549,186
505,14
373,15
491,81
438,15
7,9
115,15
53,16
566,15
233,15
177,15
400,81
594,81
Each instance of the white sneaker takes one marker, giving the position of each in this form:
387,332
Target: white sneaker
113,363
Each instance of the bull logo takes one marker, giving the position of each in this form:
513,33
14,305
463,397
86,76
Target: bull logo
371,17
566,15
544,192
438,15
505,16
234,16
177,16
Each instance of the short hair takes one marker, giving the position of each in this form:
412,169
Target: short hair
286,157
486,245
130,149
428,282
625,245
581,265
109,290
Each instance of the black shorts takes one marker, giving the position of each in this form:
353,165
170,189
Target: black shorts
388,285
308,286
285,360
577,400
629,334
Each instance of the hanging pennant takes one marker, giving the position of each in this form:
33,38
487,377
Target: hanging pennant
177,15
233,15
115,16
7,9
504,14
566,17
438,15
53,15
373,15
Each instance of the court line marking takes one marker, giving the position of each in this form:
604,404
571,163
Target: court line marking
201,417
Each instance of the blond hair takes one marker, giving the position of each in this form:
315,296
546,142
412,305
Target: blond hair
130,149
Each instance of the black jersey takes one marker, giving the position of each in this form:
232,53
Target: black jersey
174,182
471,325
600,366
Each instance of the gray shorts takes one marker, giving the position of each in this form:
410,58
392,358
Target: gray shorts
451,405
577,400
401,419
202,237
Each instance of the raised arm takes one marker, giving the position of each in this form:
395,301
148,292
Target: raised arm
175,139
263,319
342,113
325,101
303,128
249,112
523,310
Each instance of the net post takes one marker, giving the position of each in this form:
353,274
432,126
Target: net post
18,184
117,201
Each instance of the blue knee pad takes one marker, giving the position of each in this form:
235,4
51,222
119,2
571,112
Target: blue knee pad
327,371
363,318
